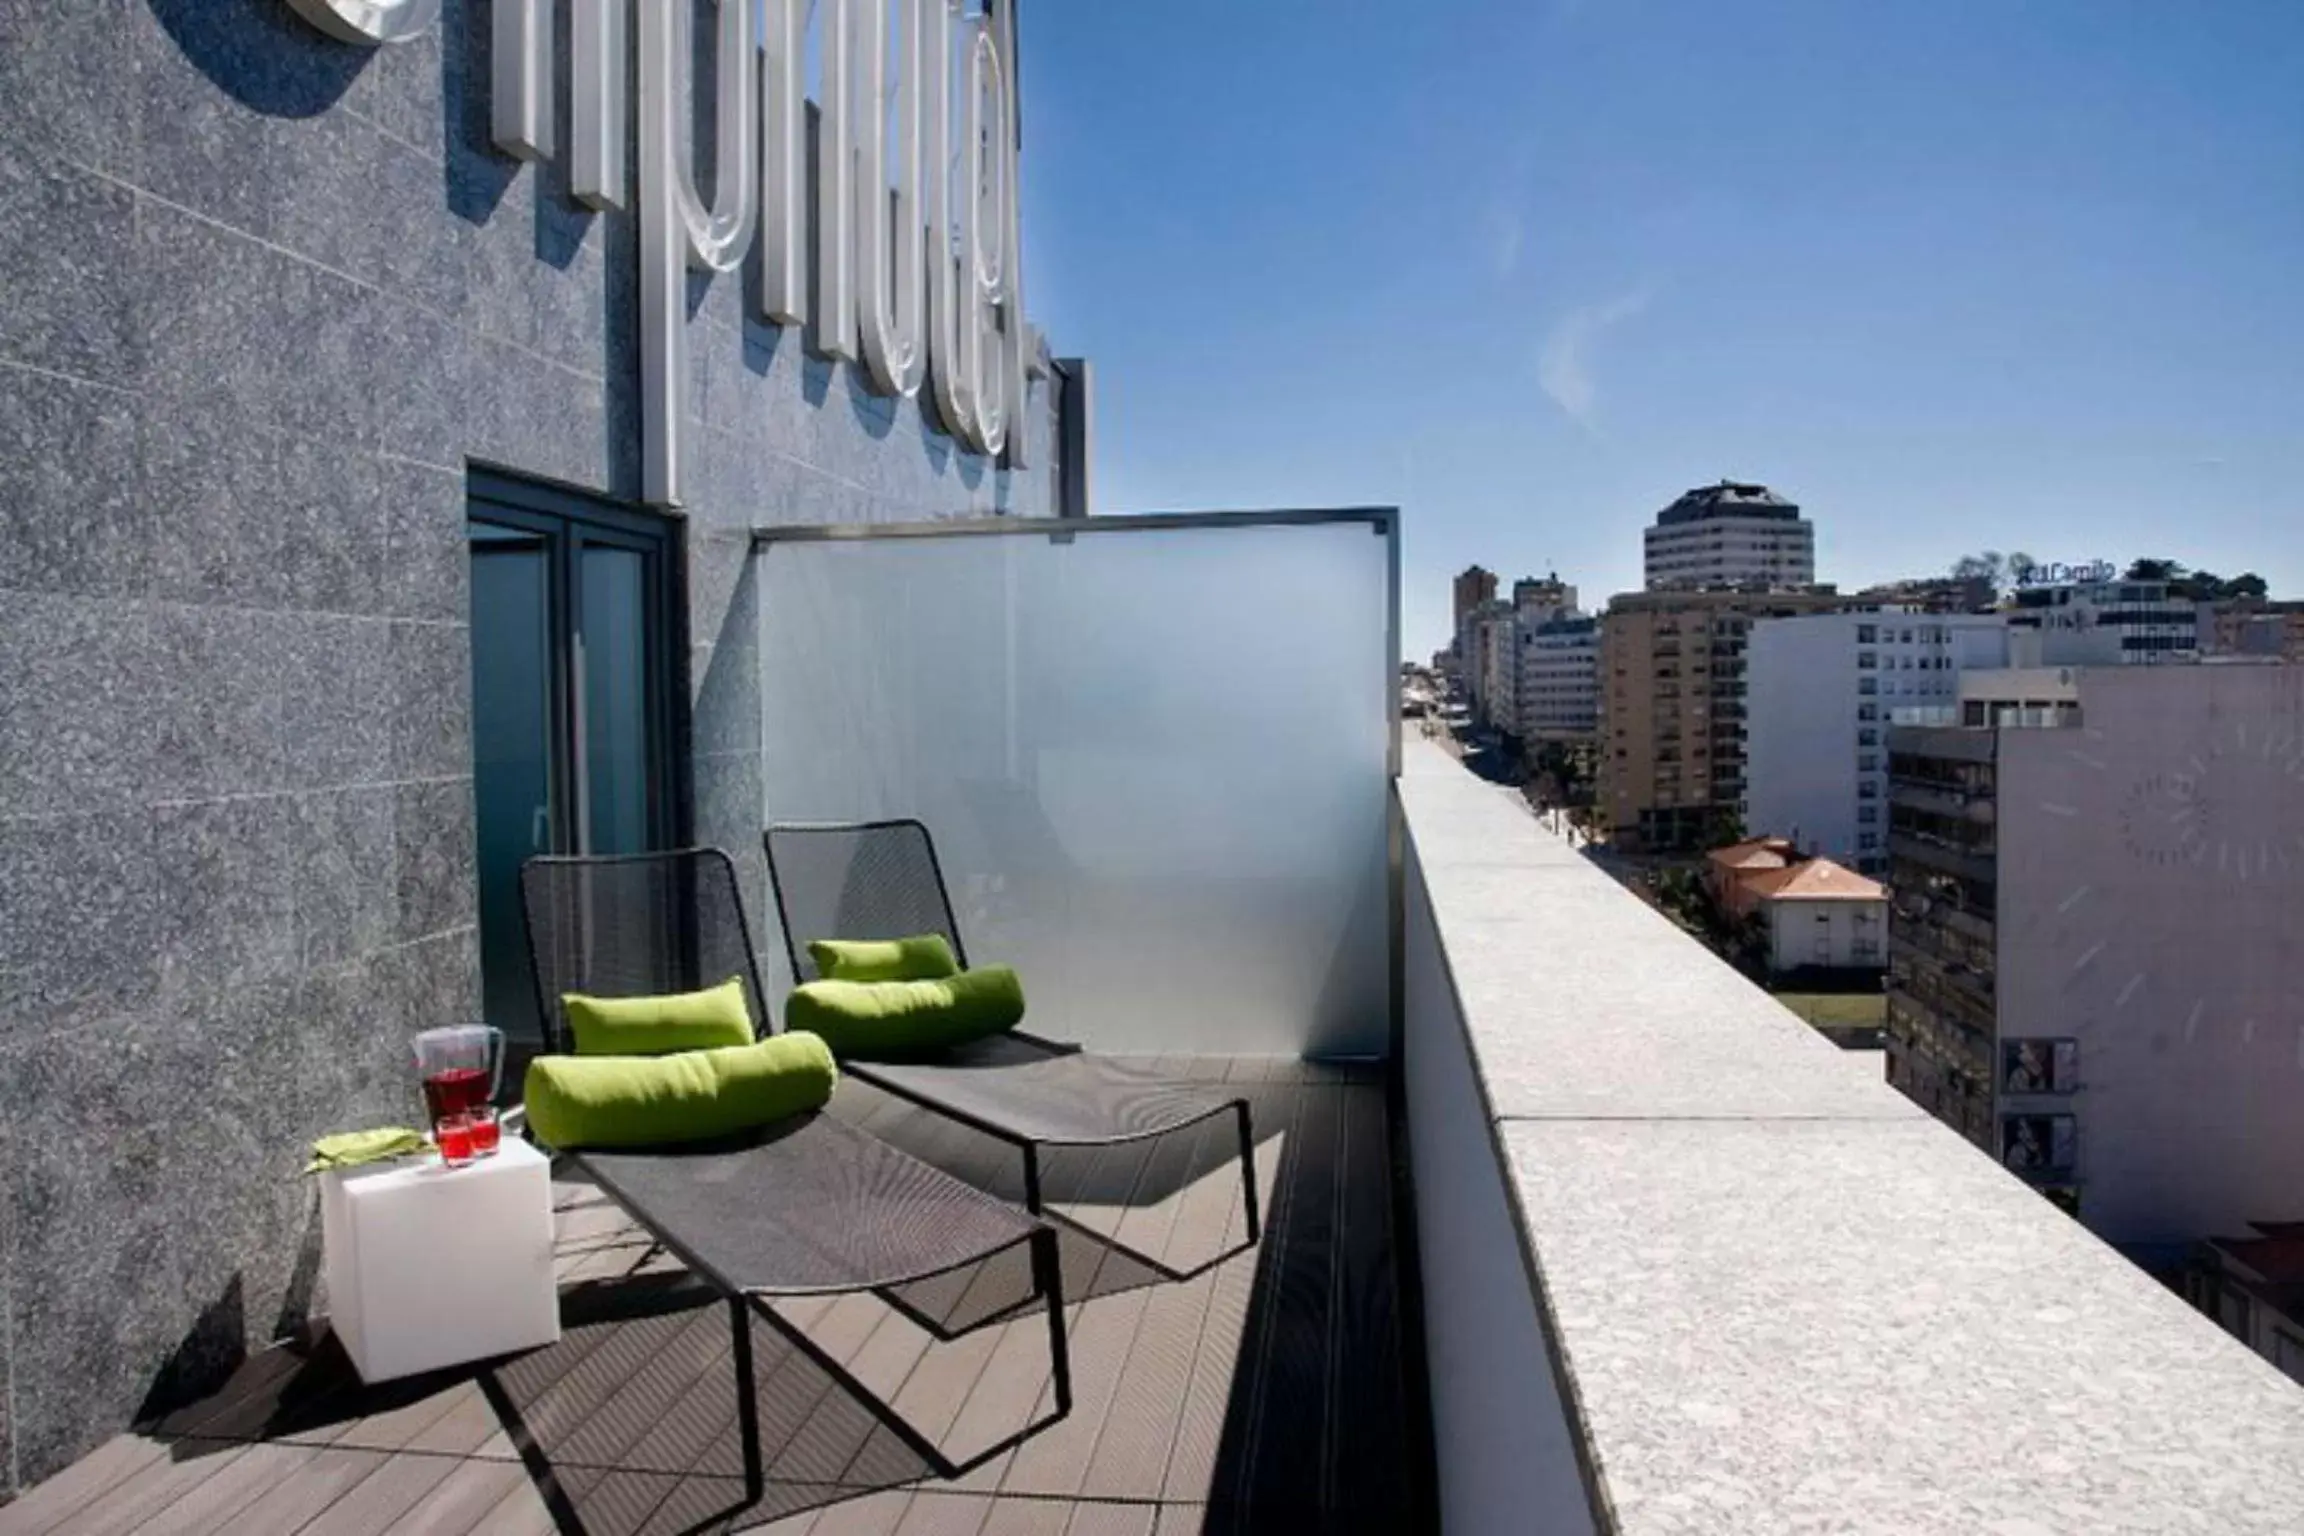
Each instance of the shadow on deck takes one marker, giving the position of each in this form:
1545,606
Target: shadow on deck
1263,1393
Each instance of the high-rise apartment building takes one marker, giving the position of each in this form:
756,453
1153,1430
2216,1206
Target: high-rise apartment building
1491,664
2092,948
1560,678
1821,692
2108,623
1672,708
1730,535
1473,587
1473,590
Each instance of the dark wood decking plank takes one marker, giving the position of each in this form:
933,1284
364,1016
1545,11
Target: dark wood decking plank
521,1512
300,1498
874,1514
1181,1520
151,1490
1217,1358
1055,1461
1015,1384
1277,1430
397,1485
1368,1470
1092,1519
216,1503
661,1382
462,1500
1131,1456
109,1467
1027,1517
613,1501
934,1512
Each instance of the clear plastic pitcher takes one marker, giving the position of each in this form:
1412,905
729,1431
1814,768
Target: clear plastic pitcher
461,1067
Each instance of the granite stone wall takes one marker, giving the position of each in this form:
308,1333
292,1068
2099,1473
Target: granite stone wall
263,298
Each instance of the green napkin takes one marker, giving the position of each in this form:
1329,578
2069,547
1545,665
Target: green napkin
349,1149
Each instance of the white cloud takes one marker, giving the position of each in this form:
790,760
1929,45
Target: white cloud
1564,365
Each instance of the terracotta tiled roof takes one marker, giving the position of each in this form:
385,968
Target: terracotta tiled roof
1815,880
1760,853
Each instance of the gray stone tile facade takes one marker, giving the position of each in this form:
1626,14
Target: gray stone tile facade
266,298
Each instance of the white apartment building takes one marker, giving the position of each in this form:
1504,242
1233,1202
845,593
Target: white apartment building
1821,691
1730,535
2094,934
1560,679
2106,624
1491,665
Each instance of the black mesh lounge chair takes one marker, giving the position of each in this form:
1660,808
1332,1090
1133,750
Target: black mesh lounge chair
807,1206
881,880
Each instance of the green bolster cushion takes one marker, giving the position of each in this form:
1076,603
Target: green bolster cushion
877,1019
651,1026
649,1101
923,957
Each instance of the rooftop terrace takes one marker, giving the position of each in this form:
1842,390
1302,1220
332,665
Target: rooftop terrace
1264,1393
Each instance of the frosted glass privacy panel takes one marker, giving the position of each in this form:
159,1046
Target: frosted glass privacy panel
1154,762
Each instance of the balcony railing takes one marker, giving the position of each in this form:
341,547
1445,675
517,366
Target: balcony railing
1669,1237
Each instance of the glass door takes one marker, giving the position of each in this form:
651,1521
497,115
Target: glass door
572,690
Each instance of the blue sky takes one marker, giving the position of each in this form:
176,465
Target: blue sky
1953,274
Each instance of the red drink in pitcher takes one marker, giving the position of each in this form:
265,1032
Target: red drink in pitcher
456,1091
459,1068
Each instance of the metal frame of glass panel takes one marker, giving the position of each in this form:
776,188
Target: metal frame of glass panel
1382,522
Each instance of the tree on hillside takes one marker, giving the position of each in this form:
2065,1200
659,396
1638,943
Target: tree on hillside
2246,584
2146,568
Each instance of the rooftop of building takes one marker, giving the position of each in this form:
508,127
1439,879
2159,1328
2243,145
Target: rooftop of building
1756,853
1817,879
1729,498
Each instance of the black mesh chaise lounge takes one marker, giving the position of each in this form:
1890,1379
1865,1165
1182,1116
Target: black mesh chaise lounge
881,880
807,1206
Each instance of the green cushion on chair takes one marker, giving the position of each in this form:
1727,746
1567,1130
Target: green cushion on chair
873,1019
923,957
651,1026
648,1101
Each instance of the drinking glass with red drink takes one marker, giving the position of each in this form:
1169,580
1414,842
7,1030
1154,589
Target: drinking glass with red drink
487,1135
455,1135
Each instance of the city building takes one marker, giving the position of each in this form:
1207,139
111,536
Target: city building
1934,594
1473,588
2254,1288
1672,711
1491,665
1536,599
1821,691
1560,679
2105,623
1730,535
1471,593
2096,879
1819,916
1728,870
2252,626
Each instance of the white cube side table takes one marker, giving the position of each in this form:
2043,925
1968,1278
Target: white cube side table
431,1266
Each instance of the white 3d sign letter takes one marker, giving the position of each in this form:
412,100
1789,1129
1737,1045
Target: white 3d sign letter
917,271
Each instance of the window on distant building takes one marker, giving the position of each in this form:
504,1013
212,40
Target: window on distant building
1869,815
1866,634
1867,685
1872,712
1867,660
1867,841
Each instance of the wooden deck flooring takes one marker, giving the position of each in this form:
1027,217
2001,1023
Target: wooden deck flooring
1262,1393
